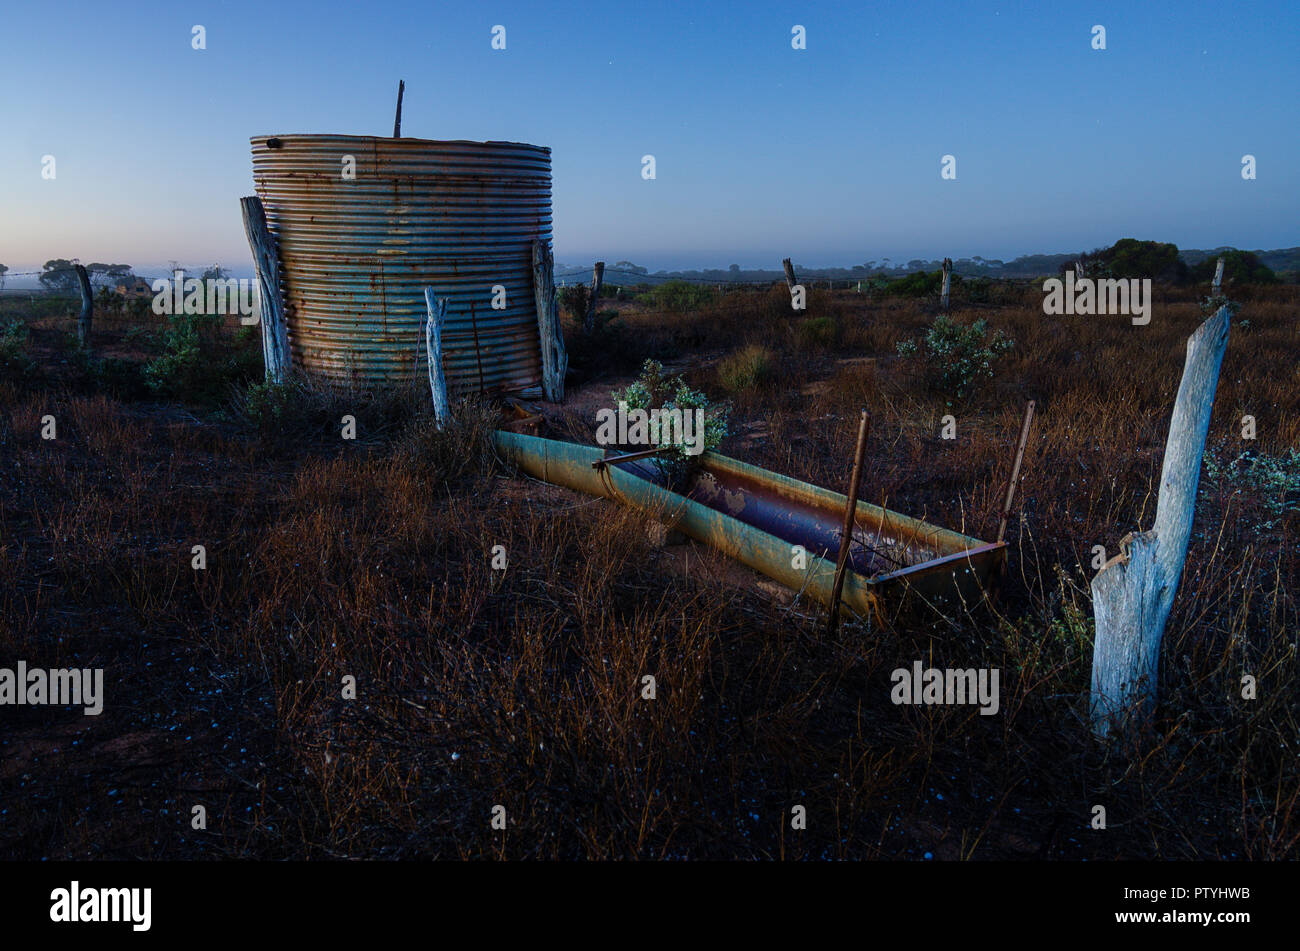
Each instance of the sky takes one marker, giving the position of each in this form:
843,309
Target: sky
830,155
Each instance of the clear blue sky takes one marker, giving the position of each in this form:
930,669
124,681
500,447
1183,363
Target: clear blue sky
830,154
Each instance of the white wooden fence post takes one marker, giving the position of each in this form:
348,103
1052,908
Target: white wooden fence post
1218,279
437,308
1134,591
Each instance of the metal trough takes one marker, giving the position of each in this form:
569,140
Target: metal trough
757,517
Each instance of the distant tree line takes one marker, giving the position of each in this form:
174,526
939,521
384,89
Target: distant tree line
1126,258
1130,258
58,274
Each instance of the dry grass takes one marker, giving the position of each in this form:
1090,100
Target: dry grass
523,687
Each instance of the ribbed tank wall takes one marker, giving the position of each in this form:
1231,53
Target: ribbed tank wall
364,224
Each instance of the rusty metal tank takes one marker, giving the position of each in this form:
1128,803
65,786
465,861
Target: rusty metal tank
364,224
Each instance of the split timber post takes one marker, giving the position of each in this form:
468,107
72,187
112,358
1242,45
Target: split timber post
790,280
1218,279
947,284
597,278
275,330
1133,592
87,307
437,308
555,361
850,510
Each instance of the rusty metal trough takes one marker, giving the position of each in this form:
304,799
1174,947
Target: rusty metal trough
758,517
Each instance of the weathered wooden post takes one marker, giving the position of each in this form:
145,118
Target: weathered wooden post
790,280
87,307
597,278
397,119
437,308
850,511
947,279
1134,591
555,361
275,329
1218,279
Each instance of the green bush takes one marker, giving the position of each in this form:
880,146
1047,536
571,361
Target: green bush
917,284
15,364
573,300
123,379
817,333
1270,483
978,290
294,412
196,362
1130,258
956,358
653,390
1239,267
747,368
679,297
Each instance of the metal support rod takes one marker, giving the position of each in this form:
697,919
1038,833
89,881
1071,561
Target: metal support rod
1015,470
628,457
850,510
397,120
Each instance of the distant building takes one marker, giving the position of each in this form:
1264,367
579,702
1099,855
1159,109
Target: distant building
135,287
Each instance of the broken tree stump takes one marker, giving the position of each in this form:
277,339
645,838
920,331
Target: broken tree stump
1134,591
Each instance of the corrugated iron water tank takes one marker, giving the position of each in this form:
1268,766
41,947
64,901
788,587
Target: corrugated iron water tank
364,224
